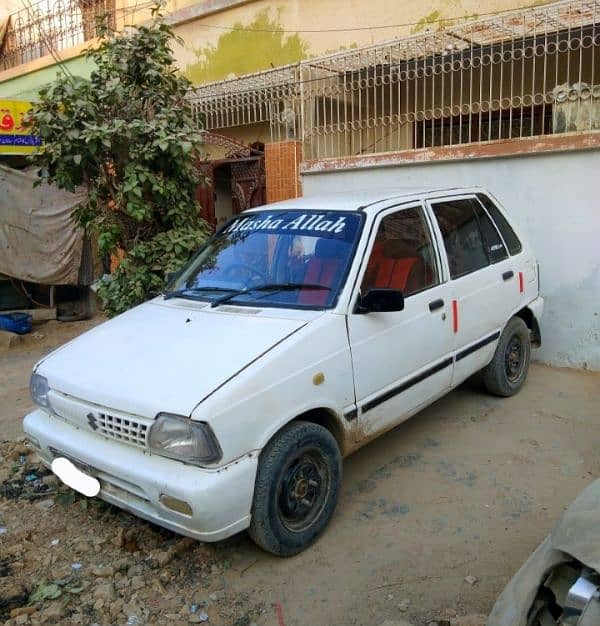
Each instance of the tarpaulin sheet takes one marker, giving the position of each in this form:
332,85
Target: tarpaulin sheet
39,242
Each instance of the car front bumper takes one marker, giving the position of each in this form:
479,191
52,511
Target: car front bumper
134,479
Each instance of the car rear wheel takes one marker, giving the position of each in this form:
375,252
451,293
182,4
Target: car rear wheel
296,490
507,371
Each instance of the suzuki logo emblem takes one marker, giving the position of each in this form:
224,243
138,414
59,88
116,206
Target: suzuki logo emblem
92,421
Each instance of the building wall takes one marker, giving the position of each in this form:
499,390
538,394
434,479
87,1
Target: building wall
225,38
250,36
554,200
26,86
8,7
250,133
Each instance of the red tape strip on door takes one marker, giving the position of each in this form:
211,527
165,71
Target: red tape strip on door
455,316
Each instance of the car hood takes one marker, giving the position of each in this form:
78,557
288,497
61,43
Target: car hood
163,357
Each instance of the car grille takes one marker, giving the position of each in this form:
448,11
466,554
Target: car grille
128,430
123,427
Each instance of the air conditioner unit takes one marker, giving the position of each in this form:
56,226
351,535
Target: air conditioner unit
576,108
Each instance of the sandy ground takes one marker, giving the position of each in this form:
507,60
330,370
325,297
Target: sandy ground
468,487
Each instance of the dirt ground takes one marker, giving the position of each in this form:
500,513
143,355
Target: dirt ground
469,487
17,362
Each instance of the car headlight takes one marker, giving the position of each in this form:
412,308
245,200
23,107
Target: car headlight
38,387
181,438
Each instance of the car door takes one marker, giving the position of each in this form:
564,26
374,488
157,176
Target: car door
482,280
402,359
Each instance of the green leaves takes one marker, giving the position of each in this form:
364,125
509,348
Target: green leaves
45,591
142,273
52,590
127,134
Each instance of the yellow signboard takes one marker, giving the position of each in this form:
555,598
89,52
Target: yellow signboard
14,137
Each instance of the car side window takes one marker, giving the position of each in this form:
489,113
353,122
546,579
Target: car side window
494,247
508,234
462,235
403,255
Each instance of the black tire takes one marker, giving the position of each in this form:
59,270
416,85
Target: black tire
507,371
296,490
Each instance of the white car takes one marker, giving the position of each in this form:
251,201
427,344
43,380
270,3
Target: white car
298,333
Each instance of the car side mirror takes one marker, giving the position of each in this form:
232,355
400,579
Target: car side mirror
381,301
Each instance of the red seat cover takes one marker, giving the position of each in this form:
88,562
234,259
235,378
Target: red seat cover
323,269
393,273
319,272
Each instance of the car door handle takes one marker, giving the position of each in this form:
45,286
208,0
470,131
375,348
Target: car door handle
508,275
435,305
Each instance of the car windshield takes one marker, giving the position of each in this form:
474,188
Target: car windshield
276,258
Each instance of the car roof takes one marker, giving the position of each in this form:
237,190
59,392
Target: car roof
363,199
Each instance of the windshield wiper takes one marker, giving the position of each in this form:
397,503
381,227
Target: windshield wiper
186,292
271,287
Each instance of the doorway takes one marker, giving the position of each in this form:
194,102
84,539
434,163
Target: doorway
232,184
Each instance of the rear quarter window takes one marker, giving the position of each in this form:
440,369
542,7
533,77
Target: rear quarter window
462,235
508,234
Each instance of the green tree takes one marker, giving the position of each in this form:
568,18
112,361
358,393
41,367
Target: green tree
128,135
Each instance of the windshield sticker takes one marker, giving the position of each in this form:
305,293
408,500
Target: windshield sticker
305,223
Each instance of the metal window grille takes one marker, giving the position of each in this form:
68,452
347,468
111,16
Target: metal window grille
50,25
518,74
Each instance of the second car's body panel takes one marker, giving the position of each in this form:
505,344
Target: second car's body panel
576,537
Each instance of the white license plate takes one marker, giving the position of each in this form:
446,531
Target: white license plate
75,478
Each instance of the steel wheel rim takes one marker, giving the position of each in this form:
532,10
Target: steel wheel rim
303,490
514,358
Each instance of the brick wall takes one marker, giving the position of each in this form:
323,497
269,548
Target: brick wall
282,160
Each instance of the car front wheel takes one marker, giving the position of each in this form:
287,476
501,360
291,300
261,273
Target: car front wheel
296,490
507,371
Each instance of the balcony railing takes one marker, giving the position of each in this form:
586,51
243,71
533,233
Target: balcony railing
523,73
49,26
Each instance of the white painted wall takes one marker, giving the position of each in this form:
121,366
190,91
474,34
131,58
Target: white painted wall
555,199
